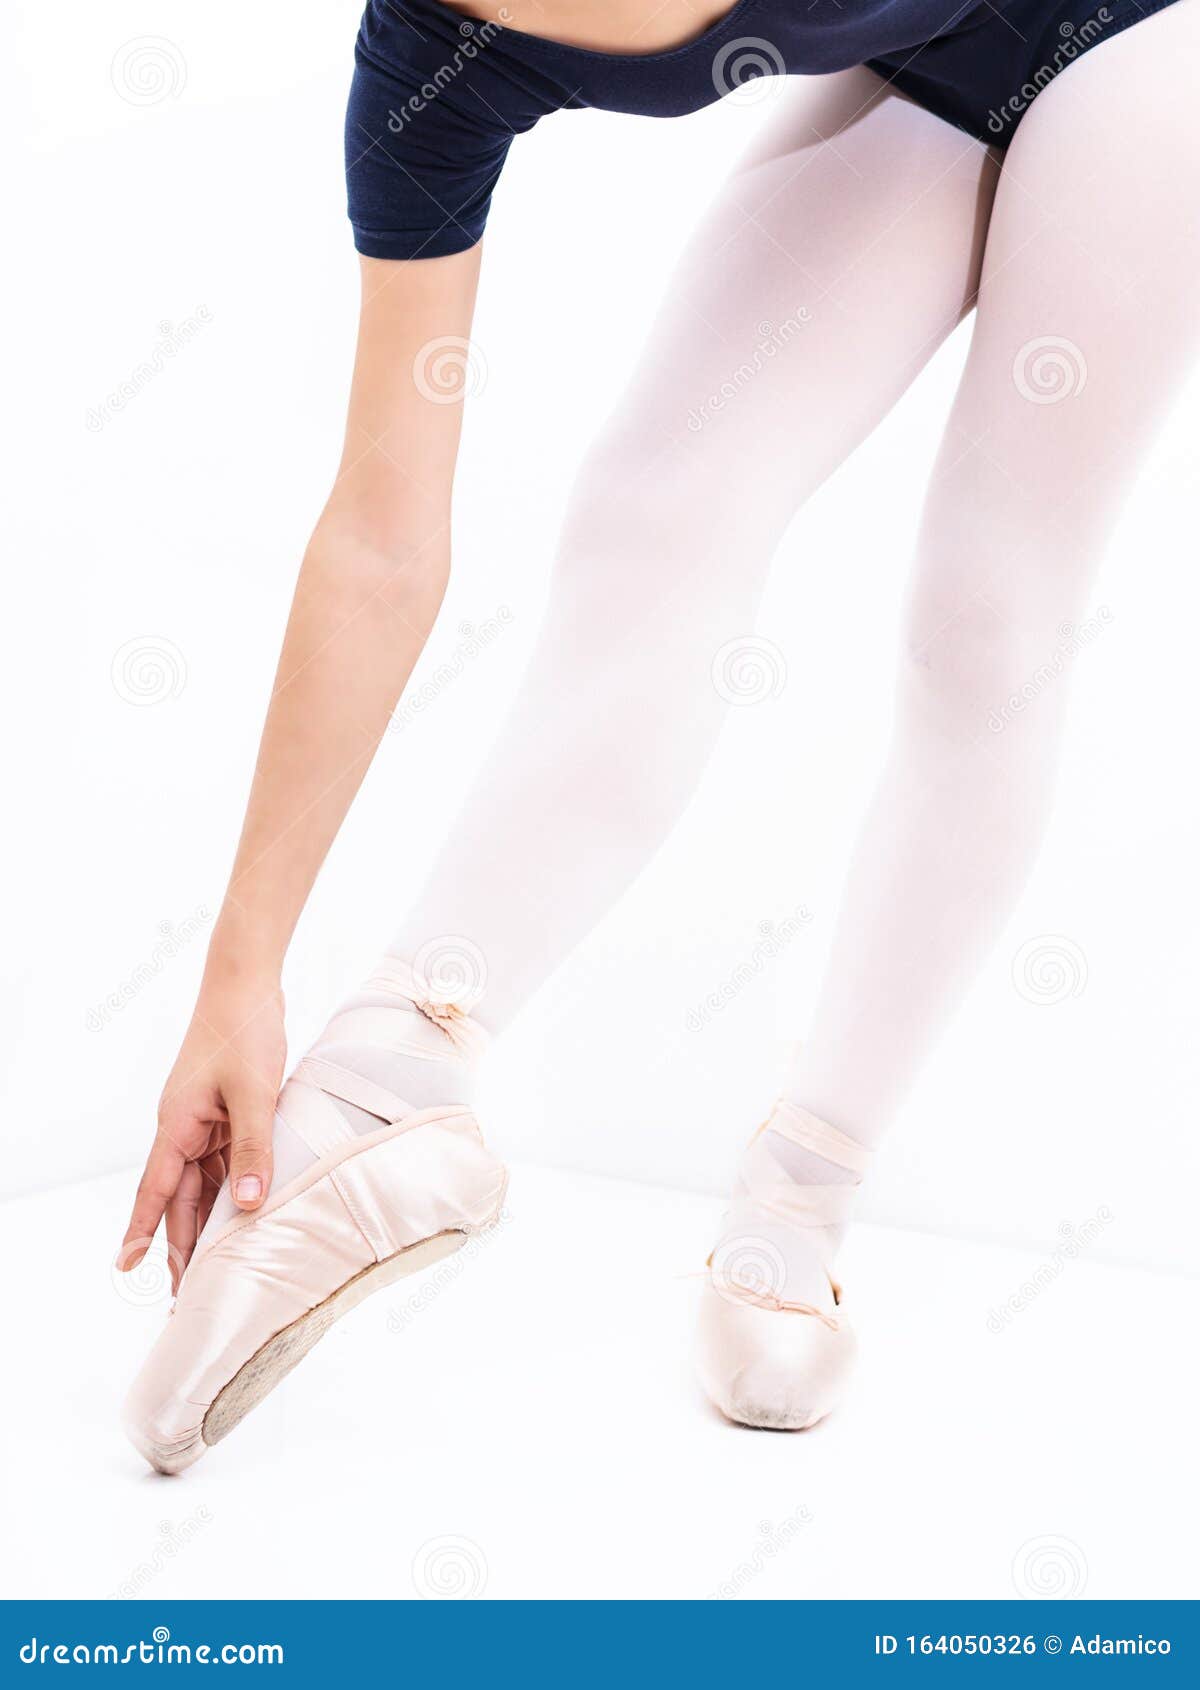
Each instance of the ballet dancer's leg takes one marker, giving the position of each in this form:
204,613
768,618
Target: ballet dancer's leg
832,265
1086,326
835,260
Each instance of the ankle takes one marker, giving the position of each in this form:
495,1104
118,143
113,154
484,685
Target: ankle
797,1181
444,988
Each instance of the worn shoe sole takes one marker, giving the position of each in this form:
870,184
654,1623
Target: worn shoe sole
258,1377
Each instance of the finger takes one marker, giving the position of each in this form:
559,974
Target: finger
251,1123
161,1175
182,1224
214,1171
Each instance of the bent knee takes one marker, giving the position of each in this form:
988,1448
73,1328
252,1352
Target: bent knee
988,663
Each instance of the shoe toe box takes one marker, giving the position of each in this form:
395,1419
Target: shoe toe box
773,1368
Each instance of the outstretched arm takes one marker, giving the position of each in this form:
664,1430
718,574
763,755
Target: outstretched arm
369,589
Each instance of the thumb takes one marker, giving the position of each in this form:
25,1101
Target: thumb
251,1129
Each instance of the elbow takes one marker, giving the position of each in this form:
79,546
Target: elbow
400,565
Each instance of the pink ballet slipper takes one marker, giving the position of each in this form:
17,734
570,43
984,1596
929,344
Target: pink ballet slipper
260,1292
764,1359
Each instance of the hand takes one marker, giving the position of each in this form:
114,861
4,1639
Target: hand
215,1118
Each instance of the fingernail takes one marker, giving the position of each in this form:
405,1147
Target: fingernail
248,1189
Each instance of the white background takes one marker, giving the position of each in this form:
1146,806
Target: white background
180,522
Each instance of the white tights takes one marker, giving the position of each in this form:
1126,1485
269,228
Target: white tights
858,233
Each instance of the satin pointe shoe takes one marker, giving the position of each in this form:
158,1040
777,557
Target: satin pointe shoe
259,1293
766,1359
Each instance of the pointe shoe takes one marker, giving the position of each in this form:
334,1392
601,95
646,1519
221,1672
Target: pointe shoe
765,1359
780,1366
258,1294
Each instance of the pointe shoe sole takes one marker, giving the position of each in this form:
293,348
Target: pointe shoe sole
257,1298
258,1377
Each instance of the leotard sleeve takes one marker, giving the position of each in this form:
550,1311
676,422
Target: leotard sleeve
433,109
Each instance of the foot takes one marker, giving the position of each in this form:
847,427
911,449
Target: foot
387,1190
774,1347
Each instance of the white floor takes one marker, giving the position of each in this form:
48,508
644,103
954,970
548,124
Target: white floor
527,1427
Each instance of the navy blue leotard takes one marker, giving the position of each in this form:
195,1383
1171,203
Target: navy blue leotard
437,98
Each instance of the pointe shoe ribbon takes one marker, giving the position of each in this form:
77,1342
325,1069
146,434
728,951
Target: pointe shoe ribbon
408,1025
451,1012
760,1298
763,1181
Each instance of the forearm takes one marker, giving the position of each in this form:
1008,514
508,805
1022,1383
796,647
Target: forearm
358,623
